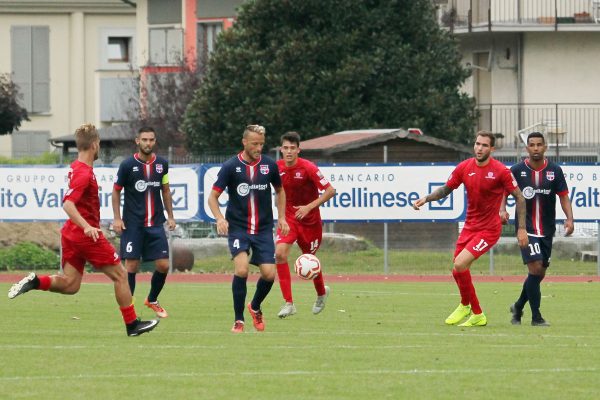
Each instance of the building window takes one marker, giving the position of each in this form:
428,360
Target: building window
29,143
166,46
30,56
116,97
117,48
207,38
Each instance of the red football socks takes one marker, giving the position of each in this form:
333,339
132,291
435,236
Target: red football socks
319,284
285,281
128,313
45,282
467,290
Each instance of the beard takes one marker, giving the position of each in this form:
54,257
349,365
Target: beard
146,151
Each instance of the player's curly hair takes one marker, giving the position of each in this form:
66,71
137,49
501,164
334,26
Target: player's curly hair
85,135
254,129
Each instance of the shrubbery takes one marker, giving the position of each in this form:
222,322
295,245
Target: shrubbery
27,256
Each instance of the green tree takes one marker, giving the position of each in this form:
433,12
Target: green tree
323,66
11,113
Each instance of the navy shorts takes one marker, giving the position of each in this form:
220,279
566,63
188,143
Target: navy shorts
539,248
260,245
147,243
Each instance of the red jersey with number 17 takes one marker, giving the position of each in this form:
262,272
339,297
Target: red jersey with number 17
83,192
485,188
302,182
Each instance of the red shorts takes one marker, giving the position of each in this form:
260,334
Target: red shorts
476,242
99,253
308,236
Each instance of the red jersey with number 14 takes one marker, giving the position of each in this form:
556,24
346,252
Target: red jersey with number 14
83,192
302,182
485,188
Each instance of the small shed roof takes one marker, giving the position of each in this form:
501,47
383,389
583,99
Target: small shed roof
346,140
115,133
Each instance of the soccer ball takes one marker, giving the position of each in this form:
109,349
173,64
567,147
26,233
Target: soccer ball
307,266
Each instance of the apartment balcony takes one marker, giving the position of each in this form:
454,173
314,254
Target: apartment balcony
465,16
571,129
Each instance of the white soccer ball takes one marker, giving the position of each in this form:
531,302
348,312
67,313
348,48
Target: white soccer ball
307,266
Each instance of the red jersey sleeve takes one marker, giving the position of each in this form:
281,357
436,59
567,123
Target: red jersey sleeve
456,177
508,181
316,176
78,182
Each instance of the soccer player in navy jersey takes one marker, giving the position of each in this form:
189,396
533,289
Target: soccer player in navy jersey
485,180
145,177
302,182
540,181
248,221
82,239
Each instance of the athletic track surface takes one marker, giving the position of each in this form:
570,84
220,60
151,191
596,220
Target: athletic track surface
226,278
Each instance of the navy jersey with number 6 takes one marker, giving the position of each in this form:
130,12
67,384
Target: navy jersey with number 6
540,188
250,206
143,189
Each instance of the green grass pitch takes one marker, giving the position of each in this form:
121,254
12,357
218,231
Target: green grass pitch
373,341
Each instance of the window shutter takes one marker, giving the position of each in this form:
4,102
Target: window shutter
21,62
158,51
174,46
41,68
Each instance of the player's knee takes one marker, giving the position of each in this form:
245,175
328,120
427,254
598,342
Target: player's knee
280,257
268,275
461,266
72,288
162,265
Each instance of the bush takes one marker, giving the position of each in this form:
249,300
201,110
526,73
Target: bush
43,159
27,256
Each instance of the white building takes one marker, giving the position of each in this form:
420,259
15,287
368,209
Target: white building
71,59
535,66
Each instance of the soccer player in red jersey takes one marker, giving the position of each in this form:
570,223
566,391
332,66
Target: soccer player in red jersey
486,180
82,239
302,182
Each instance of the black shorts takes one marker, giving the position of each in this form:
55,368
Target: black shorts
261,244
147,243
539,248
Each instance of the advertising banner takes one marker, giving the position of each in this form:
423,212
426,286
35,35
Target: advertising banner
35,193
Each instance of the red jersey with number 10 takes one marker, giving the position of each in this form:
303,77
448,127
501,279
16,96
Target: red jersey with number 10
485,188
302,182
83,192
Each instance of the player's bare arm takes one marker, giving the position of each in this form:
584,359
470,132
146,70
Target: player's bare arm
281,222
522,237
78,220
504,217
565,204
437,194
168,202
302,211
213,204
118,224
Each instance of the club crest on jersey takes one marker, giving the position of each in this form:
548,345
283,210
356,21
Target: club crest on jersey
238,169
550,175
523,173
490,175
135,169
298,175
159,168
264,169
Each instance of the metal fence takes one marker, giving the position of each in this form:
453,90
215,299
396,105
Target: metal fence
463,14
572,130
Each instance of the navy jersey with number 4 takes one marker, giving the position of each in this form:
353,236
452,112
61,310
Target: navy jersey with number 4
540,188
143,190
250,206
